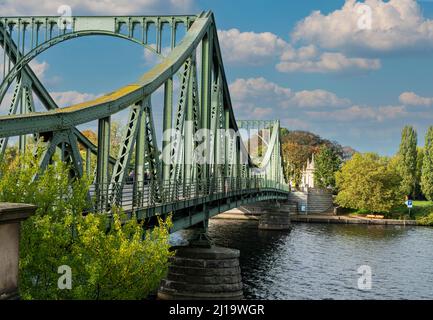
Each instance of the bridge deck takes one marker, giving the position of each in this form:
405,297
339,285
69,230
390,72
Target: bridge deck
189,204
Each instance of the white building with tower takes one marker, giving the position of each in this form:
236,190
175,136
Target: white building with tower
307,180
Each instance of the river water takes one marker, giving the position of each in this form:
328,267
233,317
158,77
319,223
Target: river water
321,261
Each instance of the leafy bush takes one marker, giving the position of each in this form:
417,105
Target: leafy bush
369,182
426,220
121,262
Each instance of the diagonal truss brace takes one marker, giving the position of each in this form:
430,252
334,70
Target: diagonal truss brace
69,145
177,141
22,95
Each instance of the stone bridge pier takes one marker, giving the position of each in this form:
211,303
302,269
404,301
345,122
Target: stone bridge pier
202,271
271,215
11,216
275,216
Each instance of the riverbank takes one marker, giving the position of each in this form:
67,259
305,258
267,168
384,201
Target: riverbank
351,220
323,219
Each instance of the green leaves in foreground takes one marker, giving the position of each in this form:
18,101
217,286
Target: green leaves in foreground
122,262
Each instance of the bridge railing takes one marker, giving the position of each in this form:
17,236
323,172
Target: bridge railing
136,195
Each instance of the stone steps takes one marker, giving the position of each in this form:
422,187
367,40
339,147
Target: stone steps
316,201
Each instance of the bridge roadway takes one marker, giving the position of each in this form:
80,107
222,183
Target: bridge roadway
191,203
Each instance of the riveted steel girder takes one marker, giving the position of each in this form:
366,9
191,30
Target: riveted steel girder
203,103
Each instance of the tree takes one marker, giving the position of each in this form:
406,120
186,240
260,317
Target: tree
427,167
326,163
125,262
298,146
407,155
369,182
91,135
116,133
419,165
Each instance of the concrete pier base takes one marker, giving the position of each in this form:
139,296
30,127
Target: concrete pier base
271,215
275,218
11,215
200,273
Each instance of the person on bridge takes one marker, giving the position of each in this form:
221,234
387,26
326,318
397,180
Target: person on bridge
132,176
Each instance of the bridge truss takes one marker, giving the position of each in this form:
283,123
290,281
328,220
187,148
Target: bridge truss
202,167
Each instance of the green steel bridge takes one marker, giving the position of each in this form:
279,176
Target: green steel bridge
193,178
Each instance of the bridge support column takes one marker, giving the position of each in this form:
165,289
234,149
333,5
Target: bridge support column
203,271
275,217
11,216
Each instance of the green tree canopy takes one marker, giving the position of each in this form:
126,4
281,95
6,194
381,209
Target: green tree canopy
369,182
408,163
326,163
123,262
298,146
427,167
419,165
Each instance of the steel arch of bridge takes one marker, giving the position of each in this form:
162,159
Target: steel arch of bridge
178,181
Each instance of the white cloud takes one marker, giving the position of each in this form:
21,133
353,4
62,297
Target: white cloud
395,25
39,68
258,98
358,113
252,88
250,48
100,7
295,124
309,59
62,98
318,98
412,99
258,92
68,98
151,58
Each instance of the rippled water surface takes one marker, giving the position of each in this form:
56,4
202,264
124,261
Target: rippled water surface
320,261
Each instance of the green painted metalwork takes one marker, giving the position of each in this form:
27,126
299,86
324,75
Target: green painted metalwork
102,171
175,179
167,125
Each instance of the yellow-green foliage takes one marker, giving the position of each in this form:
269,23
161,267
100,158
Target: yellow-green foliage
426,220
369,182
121,262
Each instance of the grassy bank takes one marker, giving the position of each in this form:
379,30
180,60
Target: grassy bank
421,211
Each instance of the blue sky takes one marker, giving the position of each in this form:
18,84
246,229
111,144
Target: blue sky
309,63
